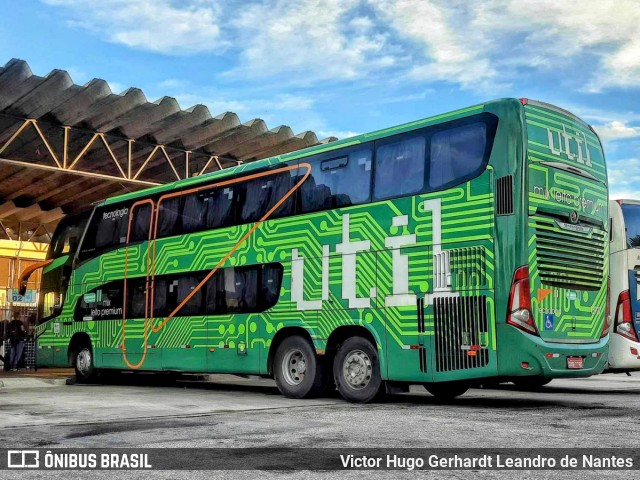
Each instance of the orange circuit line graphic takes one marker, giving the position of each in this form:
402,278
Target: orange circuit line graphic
153,227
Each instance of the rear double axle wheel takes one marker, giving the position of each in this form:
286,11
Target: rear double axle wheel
298,371
356,370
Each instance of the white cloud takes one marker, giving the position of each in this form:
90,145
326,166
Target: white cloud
606,29
616,130
154,25
490,41
309,40
340,134
449,49
588,44
624,178
616,194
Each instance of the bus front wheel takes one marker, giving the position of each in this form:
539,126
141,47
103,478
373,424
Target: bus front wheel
298,372
84,364
356,370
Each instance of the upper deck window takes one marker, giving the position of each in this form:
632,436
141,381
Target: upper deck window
337,180
456,154
400,167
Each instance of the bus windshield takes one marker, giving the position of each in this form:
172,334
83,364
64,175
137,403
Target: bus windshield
631,214
67,236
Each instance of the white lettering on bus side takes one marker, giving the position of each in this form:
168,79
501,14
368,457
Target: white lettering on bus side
119,213
348,249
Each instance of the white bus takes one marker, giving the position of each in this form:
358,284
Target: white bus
624,296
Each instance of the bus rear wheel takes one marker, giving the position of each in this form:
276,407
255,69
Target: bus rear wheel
298,371
356,370
446,391
84,364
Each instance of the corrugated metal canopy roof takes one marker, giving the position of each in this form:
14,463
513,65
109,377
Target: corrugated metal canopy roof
65,146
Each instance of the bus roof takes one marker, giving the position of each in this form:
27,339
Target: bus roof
248,167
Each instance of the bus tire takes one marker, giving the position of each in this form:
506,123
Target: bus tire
356,370
530,383
84,364
446,391
298,371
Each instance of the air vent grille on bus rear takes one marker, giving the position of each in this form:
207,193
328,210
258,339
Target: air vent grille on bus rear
469,268
504,195
569,259
461,333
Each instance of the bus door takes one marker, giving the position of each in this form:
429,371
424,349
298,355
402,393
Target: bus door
179,327
137,336
233,336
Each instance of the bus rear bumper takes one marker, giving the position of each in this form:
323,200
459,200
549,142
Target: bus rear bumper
529,355
621,354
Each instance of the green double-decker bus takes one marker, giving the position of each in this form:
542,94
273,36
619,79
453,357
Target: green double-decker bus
467,246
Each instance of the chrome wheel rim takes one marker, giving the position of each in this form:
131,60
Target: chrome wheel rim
357,369
83,361
294,367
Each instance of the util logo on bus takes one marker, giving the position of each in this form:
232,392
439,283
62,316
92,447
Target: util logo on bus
574,147
349,249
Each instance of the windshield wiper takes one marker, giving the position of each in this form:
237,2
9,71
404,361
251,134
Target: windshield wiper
571,169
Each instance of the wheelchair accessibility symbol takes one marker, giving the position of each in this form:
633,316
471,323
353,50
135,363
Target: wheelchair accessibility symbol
549,321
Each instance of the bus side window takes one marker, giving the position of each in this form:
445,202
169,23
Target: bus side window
136,298
160,290
140,224
169,216
214,296
456,154
337,182
271,283
193,213
101,303
261,194
186,284
248,289
400,167
241,289
218,206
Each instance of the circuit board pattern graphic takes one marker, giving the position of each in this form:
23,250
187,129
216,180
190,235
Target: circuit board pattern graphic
467,232
580,255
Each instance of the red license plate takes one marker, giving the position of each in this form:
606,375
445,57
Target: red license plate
574,363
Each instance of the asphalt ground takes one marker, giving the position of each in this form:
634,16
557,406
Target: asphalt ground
226,411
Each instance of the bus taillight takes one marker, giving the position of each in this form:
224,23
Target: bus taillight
624,323
519,308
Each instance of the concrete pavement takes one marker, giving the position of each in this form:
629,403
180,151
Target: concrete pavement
227,411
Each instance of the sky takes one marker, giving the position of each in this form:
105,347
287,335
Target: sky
343,67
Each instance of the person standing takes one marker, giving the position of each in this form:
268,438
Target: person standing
17,336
